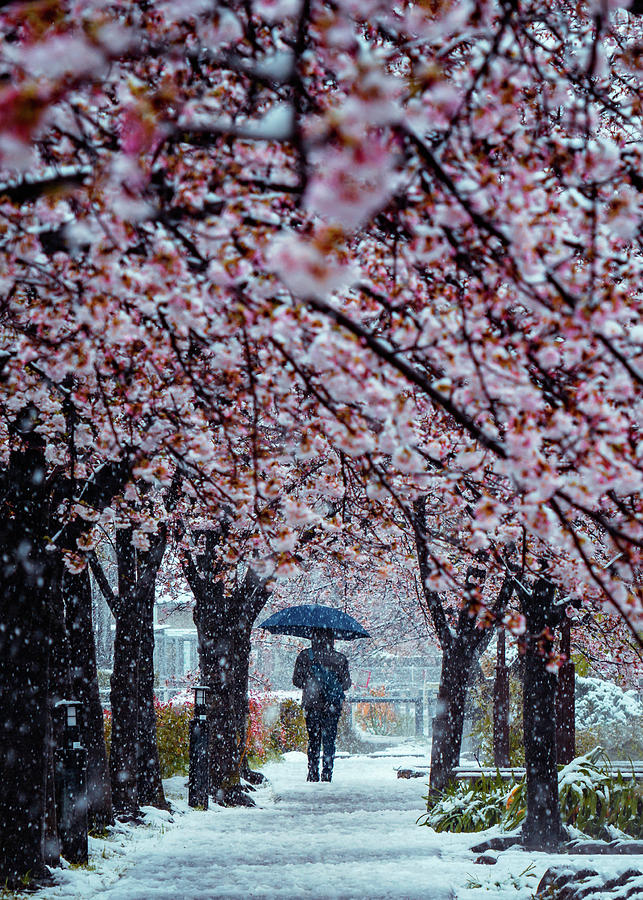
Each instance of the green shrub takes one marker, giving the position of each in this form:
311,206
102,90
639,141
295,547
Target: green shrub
606,716
262,743
172,735
289,733
591,798
469,806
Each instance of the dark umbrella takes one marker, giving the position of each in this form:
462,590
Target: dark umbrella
302,621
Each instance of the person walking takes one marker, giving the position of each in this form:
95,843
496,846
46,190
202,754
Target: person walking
322,673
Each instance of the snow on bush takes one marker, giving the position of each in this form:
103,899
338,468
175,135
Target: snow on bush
610,717
469,806
267,739
606,716
592,799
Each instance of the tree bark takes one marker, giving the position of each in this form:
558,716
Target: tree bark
224,620
123,757
566,701
149,783
448,724
84,680
461,649
133,762
501,744
542,829
51,841
30,615
59,688
28,575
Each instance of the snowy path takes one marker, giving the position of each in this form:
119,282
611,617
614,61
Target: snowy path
353,838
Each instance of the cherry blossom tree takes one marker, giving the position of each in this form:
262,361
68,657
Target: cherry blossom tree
224,615
39,644
134,759
410,236
492,347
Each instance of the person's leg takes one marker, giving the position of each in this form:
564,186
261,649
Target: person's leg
314,729
329,735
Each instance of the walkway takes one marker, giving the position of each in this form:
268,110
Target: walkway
353,838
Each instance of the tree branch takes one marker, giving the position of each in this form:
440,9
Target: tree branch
409,372
31,189
111,598
432,598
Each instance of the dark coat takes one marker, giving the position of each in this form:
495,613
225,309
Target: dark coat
312,697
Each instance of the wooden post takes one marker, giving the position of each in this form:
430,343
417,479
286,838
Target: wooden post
501,705
566,701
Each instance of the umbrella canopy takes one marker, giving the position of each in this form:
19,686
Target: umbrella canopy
302,621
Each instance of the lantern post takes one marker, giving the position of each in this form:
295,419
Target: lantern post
199,775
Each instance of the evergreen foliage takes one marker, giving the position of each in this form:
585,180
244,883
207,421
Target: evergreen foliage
592,799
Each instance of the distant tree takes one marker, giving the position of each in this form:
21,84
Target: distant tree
225,612
462,645
134,757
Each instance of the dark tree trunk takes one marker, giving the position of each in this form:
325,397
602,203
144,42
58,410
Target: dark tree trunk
123,756
26,581
566,701
31,676
542,829
224,652
149,783
542,826
59,688
51,845
84,676
457,663
221,663
224,620
461,649
133,742
501,746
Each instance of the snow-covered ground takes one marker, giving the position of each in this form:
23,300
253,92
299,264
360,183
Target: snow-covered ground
353,838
